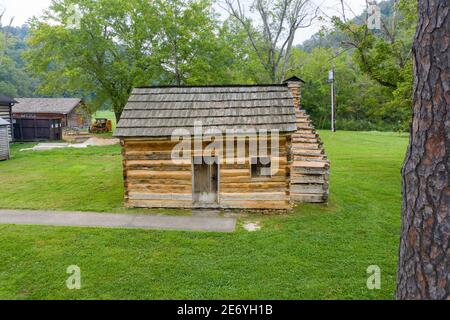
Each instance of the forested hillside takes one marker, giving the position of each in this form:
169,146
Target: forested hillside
14,80
373,70
126,44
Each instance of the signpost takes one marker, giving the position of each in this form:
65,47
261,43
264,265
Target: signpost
333,100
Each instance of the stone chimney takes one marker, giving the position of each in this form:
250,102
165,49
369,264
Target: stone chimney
294,84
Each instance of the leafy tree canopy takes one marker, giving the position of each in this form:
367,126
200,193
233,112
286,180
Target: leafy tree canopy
117,45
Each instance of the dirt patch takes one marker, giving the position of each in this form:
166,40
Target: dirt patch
252,226
94,141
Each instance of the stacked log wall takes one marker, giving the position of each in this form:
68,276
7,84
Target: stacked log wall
5,114
238,189
153,180
310,165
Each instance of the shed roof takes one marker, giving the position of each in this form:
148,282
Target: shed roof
3,122
294,79
158,111
46,105
6,101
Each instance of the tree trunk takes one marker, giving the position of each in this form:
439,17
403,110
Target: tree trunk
287,58
117,114
424,255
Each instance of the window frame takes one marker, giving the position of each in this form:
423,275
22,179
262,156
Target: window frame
260,177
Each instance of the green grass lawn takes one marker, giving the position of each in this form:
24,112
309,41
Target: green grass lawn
316,252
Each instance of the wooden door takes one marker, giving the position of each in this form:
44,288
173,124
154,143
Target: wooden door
56,130
206,182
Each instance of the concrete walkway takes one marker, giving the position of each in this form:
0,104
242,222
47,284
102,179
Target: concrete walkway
108,220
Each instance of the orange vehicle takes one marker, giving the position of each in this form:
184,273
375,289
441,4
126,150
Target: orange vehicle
101,125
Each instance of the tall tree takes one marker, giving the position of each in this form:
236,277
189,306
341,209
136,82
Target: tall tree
189,48
363,111
424,255
14,81
118,44
385,54
280,19
239,58
99,49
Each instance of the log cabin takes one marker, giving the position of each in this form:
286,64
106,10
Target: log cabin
4,139
6,104
240,146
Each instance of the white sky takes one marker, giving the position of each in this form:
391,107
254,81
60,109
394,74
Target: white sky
22,10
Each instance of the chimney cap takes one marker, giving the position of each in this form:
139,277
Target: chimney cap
294,79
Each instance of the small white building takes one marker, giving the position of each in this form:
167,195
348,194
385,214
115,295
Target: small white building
6,104
4,139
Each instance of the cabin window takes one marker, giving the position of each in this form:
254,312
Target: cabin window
261,167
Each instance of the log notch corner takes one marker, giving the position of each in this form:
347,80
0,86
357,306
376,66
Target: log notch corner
309,174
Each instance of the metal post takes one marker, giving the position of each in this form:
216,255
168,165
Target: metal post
333,101
332,107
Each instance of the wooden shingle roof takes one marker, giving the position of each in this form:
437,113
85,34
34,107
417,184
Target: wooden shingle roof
46,105
158,111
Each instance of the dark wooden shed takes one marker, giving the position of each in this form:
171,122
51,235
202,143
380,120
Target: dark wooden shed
45,118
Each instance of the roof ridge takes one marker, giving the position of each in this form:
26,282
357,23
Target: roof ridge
35,98
46,105
213,86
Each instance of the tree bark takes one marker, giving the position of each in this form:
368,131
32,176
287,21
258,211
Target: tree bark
424,255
